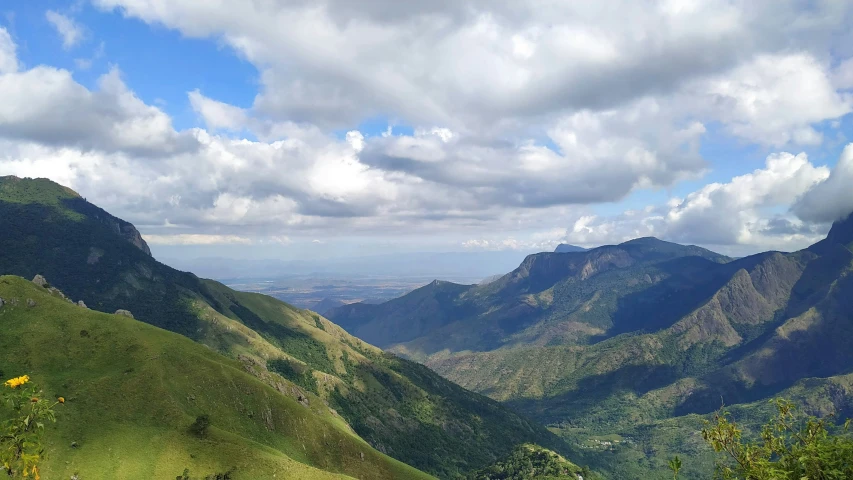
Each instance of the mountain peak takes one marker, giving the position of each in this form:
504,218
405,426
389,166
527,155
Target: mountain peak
32,194
841,234
842,231
566,248
34,190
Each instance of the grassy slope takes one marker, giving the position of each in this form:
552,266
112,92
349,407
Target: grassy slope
133,390
395,404
401,408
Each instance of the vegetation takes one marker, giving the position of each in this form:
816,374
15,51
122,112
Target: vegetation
97,258
532,462
640,340
21,447
792,446
132,391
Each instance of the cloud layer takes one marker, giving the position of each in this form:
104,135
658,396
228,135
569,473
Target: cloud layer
524,116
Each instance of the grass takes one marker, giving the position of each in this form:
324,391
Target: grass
400,408
133,390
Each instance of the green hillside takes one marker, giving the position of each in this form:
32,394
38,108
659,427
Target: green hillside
532,462
133,390
399,407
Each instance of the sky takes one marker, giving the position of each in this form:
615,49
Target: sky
298,129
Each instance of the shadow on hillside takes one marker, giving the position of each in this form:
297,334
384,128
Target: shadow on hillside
821,350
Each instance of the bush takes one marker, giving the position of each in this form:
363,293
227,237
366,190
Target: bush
200,427
792,446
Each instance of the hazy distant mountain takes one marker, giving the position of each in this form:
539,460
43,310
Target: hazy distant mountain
566,248
327,304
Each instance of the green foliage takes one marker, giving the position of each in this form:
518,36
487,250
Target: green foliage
200,426
228,475
792,446
133,390
675,466
532,462
296,373
21,445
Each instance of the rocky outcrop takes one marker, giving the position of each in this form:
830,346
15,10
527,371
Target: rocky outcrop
81,304
31,303
124,313
40,281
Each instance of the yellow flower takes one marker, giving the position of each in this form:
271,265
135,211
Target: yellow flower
61,399
17,382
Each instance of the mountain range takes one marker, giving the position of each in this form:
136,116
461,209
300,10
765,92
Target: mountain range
621,351
636,339
392,406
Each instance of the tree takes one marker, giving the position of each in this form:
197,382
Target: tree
792,446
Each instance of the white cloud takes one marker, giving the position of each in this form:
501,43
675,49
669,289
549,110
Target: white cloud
48,106
478,65
218,115
744,212
832,199
68,29
775,99
197,239
8,55
521,112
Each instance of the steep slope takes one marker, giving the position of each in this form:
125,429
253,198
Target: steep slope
133,390
406,318
401,408
635,339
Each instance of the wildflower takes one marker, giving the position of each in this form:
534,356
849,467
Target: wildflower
17,382
34,399
61,399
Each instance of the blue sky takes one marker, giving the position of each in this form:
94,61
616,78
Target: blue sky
507,134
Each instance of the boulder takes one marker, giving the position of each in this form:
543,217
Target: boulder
124,313
40,281
81,304
31,303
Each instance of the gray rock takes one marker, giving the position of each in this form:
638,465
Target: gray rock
40,281
81,304
124,313
31,303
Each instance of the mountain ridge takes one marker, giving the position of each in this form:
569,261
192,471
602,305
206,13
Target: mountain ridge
53,232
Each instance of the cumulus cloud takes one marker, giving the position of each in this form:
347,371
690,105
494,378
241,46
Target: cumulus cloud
831,199
217,115
68,29
775,99
521,114
476,65
46,105
749,211
8,55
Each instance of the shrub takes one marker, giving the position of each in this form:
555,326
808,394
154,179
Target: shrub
201,425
